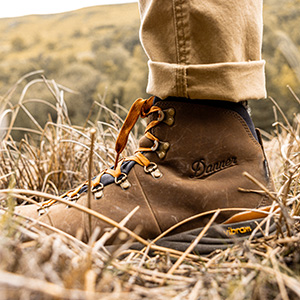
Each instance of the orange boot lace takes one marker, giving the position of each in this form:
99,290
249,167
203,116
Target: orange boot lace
140,108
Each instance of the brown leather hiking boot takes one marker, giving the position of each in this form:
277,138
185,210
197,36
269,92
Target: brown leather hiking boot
191,160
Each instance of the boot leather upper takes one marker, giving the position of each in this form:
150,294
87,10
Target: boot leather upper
202,154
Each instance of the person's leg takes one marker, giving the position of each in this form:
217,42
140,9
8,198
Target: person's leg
194,152
204,49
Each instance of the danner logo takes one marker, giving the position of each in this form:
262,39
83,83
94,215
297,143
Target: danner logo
239,230
203,169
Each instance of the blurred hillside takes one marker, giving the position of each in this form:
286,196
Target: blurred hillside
281,50
96,52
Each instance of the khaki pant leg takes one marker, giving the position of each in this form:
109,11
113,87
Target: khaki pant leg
204,49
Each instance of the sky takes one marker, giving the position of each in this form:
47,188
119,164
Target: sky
15,8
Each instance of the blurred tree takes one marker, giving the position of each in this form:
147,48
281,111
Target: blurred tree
282,54
83,79
18,44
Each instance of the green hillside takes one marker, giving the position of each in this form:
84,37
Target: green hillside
96,52
62,35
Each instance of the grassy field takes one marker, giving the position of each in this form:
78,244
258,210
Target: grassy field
57,266
83,51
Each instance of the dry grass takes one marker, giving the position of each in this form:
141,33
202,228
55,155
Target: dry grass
55,157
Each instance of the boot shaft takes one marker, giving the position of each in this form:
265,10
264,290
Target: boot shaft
198,140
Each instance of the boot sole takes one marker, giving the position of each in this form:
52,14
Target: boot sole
219,236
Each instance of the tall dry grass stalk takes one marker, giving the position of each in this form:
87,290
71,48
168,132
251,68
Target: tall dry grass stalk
53,158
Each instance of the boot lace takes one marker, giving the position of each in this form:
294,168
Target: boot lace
140,108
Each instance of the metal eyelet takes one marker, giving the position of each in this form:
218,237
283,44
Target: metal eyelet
150,168
122,181
153,170
98,191
155,146
161,116
42,210
169,116
73,199
162,150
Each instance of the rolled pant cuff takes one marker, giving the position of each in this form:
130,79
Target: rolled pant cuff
230,81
